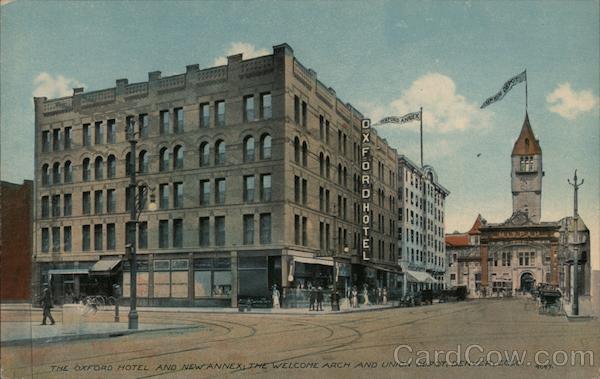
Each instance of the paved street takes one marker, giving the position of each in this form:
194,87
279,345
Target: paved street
384,343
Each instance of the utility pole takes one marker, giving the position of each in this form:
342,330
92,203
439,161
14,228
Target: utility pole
575,307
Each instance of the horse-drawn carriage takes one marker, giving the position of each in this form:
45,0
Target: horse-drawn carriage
549,298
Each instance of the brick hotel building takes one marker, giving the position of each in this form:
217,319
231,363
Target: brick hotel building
254,166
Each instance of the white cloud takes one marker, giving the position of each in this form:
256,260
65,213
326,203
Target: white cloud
444,110
247,49
54,86
569,103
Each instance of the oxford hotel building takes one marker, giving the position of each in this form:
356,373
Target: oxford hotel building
253,166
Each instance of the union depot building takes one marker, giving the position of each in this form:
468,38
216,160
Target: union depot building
249,175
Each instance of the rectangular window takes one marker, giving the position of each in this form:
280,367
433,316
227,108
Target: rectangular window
297,229
304,114
56,239
220,111
86,135
98,237
248,229
296,109
111,239
297,189
129,127
67,238
326,132
265,228
98,202
220,230
98,133
203,231
85,237
164,122
45,207
220,188
265,185
178,120
56,140
177,232
321,128
68,137
67,204
86,203
327,200
110,201
143,125
321,235
327,237
205,115
55,205
304,231
163,190
304,191
249,108
178,195
111,131
45,240
143,235
163,234
265,103
249,188
45,141
321,199
204,192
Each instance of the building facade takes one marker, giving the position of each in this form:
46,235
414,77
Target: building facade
254,166
421,247
464,263
15,241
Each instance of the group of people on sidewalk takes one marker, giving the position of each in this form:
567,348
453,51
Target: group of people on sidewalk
380,296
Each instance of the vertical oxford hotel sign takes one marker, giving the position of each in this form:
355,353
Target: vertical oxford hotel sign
365,193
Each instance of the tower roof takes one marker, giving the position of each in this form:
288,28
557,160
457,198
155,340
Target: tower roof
476,226
526,144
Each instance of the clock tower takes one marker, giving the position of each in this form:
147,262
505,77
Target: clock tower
526,173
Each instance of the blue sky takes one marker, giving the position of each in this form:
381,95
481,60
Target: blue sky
383,57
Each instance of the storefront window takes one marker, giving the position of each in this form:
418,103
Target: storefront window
212,277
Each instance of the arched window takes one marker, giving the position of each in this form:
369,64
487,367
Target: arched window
178,154
144,162
265,146
327,167
99,168
220,152
304,154
164,159
128,164
68,172
321,164
85,170
45,175
56,173
249,149
296,150
111,163
204,154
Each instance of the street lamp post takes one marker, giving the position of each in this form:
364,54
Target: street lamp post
576,186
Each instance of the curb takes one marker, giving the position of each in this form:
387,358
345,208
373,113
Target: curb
74,337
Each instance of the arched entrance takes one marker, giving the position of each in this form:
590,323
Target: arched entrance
527,282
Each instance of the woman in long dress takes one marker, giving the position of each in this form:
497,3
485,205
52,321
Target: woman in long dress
366,295
275,297
354,297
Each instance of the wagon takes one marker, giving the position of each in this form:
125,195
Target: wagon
550,302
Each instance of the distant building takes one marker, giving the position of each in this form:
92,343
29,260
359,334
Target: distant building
421,215
15,241
464,263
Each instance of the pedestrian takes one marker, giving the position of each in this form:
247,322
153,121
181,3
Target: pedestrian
379,295
354,297
385,296
46,305
366,295
275,297
312,299
319,299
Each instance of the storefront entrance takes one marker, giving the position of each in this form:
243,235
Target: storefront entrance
527,282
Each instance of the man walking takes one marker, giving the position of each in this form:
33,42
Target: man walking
46,305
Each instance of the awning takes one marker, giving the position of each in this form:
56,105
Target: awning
68,271
314,261
420,277
385,268
104,265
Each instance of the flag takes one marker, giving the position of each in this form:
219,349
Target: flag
401,120
522,77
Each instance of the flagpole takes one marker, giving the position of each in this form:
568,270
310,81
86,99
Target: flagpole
526,91
421,118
